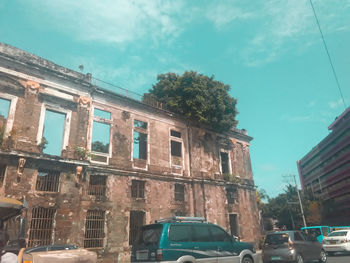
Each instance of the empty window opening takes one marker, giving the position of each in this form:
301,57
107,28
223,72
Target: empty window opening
41,226
94,229
175,133
2,173
137,189
53,132
102,114
100,137
176,148
140,124
234,225
140,140
137,220
232,195
97,185
4,111
225,169
140,145
47,180
179,192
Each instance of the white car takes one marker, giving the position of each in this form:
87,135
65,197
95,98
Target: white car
337,241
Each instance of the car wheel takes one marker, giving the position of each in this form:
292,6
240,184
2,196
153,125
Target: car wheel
300,259
323,257
247,260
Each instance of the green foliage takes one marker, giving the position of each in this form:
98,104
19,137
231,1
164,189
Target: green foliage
82,153
98,146
196,97
43,143
231,178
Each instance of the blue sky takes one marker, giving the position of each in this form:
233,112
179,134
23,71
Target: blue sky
269,51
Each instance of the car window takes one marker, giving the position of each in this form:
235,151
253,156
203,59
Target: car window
298,237
338,234
201,233
180,233
149,235
219,234
276,239
312,232
325,231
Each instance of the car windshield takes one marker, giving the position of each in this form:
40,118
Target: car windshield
149,235
338,234
312,232
276,239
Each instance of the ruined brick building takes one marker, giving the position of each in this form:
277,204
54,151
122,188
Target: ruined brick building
94,164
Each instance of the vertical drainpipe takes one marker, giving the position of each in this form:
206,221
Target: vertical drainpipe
189,147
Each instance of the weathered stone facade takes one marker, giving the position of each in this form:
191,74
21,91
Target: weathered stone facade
178,168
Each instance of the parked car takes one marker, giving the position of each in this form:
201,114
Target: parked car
337,241
292,246
319,232
189,240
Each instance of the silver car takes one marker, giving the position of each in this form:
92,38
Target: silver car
337,241
292,246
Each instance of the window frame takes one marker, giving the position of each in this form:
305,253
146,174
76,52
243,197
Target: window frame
228,159
51,231
137,185
103,121
98,190
177,193
178,140
145,131
48,171
11,113
101,229
67,123
3,170
232,200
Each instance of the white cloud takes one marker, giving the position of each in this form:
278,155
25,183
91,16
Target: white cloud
222,13
115,21
335,104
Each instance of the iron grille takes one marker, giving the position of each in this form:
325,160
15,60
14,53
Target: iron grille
137,219
97,185
2,173
48,180
232,195
94,229
41,226
179,192
137,189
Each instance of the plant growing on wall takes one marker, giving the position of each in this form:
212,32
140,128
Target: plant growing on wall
82,153
42,144
231,178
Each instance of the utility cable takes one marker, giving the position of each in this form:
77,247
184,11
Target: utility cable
329,56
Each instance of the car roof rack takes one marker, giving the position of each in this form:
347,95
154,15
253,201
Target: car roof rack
182,219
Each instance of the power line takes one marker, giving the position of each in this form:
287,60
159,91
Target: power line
329,56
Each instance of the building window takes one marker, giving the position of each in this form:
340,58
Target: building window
94,229
53,131
225,163
47,180
7,112
179,192
41,226
137,189
176,148
234,224
2,173
137,219
140,140
101,129
97,185
232,195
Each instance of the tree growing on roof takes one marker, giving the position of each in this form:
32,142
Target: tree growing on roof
198,98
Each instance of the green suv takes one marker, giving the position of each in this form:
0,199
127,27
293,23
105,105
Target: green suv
189,240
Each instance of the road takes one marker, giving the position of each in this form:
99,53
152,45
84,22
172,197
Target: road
338,258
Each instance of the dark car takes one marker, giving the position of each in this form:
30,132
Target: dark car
292,246
189,240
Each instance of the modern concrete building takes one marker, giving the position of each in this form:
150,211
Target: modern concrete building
95,164
325,170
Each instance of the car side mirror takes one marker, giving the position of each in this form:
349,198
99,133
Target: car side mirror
235,238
